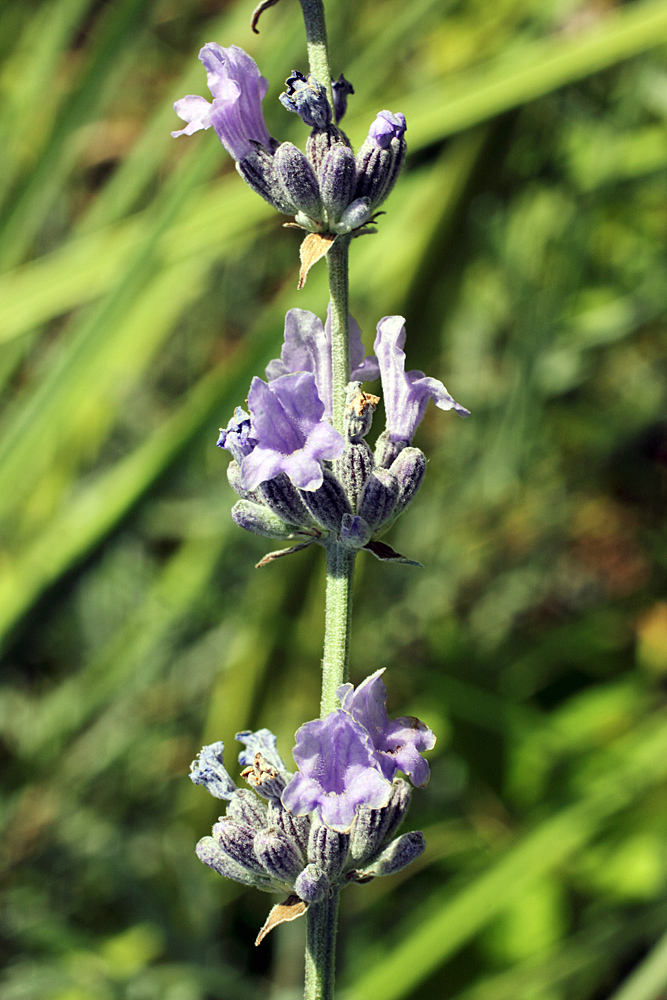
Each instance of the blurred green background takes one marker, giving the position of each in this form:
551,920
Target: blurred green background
142,285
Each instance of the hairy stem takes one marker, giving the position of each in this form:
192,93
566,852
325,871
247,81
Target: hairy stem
322,920
340,567
337,262
316,39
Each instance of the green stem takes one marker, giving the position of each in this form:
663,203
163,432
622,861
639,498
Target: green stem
316,40
322,920
340,568
337,262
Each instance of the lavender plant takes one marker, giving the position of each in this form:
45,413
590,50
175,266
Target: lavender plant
306,475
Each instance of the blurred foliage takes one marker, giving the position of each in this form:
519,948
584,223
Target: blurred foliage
142,285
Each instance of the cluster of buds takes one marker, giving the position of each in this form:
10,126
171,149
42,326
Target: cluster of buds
327,189
334,821
297,477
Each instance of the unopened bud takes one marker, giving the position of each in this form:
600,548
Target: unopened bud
260,520
328,503
342,88
386,450
379,498
259,172
328,849
338,179
320,141
354,216
397,855
247,808
278,855
307,97
354,532
282,497
297,180
409,468
311,885
212,854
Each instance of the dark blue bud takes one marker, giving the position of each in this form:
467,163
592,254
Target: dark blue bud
278,855
342,88
328,849
283,499
295,828
258,170
311,885
372,827
354,468
397,855
409,467
354,532
297,180
260,520
237,841
248,809
306,97
380,158
328,503
379,498
212,854
338,180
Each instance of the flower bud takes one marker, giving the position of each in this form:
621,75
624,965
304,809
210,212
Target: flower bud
354,216
237,841
338,179
279,856
380,158
248,809
297,180
379,498
259,520
258,170
283,499
311,885
328,849
354,532
213,854
372,827
400,853
295,828
354,468
320,141
307,97
328,503
409,467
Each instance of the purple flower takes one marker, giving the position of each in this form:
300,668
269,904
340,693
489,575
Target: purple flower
406,394
235,436
262,741
386,127
209,770
399,742
289,433
338,772
238,90
307,348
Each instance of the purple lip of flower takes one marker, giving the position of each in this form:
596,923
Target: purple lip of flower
307,348
338,772
238,90
235,436
210,771
406,394
386,127
289,432
399,742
